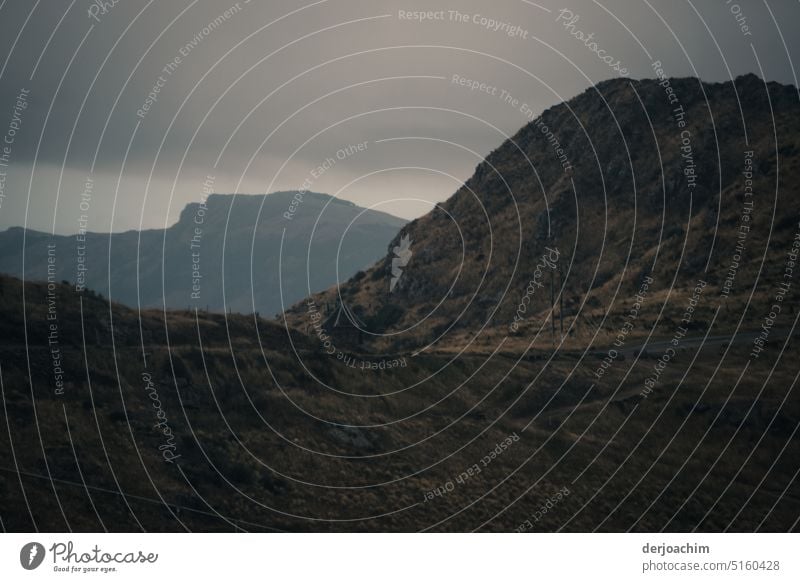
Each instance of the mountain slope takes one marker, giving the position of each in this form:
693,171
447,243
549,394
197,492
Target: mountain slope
630,181
183,265
167,421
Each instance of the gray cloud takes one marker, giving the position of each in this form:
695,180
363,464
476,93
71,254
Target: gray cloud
273,101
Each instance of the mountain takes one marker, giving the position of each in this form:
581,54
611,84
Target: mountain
223,253
447,420
668,182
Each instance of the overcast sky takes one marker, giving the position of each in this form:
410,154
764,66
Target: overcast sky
266,92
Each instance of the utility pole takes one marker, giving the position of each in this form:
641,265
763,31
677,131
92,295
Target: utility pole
561,299
552,309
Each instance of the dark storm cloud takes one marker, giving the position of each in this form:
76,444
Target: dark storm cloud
143,98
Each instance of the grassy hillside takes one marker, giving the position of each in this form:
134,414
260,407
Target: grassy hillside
268,432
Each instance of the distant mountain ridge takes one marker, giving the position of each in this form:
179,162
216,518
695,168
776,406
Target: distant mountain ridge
205,260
